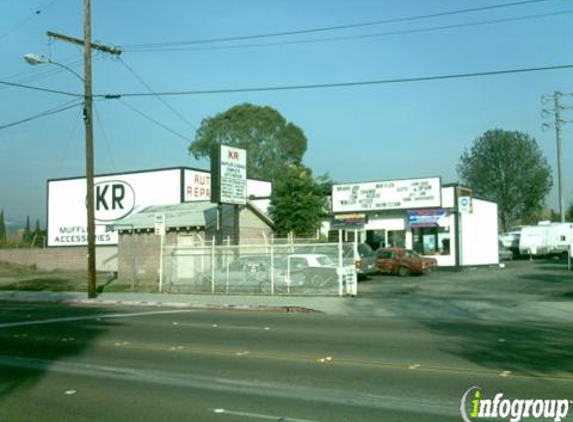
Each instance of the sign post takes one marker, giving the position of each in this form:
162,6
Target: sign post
229,180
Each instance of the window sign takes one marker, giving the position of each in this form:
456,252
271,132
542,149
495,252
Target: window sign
428,218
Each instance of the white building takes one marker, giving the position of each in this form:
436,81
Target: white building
440,221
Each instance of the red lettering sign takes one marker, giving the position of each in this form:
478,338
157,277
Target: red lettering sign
233,155
198,192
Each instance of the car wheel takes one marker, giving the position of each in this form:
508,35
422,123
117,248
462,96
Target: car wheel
316,281
404,272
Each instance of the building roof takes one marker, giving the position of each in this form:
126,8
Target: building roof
187,214
200,214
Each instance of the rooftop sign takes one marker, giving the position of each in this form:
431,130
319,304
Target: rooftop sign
387,195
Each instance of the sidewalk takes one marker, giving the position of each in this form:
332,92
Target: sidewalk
207,302
518,309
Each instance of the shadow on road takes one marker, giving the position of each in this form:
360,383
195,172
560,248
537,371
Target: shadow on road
531,348
512,319
36,337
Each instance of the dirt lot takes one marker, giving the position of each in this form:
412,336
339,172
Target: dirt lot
20,277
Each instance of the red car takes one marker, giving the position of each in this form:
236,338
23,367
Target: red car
403,262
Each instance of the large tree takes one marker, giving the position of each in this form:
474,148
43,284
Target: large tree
299,201
271,142
507,168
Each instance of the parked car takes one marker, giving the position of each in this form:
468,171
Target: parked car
403,262
360,255
505,254
245,274
364,259
311,270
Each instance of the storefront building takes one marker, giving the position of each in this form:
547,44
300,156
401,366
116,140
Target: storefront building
441,221
121,195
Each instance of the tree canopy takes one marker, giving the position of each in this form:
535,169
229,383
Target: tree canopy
2,228
299,201
271,142
507,167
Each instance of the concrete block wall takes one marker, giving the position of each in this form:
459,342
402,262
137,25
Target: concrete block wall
72,259
67,259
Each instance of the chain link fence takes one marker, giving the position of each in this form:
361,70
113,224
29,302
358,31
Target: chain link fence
280,267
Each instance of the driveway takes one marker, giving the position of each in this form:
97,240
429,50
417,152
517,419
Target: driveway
525,290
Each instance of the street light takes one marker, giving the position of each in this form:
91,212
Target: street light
35,59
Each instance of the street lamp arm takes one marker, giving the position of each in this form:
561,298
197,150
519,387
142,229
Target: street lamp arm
35,59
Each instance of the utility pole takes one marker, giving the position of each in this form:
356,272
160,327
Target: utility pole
89,141
88,119
556,112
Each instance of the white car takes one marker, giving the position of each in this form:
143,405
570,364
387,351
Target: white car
316,270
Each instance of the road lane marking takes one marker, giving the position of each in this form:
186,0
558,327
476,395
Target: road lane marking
243,387
225,327
98,317
260,416
342,362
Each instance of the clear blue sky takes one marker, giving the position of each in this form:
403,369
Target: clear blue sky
363,133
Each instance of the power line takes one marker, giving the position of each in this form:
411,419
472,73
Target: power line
151,119
26,20
334,28
105,139
35,75
68,144
37,88
343,84
59,109
354,37
165,103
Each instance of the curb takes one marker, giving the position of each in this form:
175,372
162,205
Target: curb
158,304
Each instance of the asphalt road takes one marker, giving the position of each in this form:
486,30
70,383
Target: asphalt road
72,363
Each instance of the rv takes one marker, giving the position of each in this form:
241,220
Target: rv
547,239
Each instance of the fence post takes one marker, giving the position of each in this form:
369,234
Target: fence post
213,266
272,268
162,244
340,265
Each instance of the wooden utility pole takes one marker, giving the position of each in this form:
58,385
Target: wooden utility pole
89,141
88,119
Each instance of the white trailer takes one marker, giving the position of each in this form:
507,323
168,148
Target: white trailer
546,239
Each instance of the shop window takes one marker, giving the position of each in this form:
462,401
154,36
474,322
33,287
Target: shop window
376,238
432,240
397,238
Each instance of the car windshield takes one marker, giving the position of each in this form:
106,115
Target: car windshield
412,254
385,254
325,261
365,250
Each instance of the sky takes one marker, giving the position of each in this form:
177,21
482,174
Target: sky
355,133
